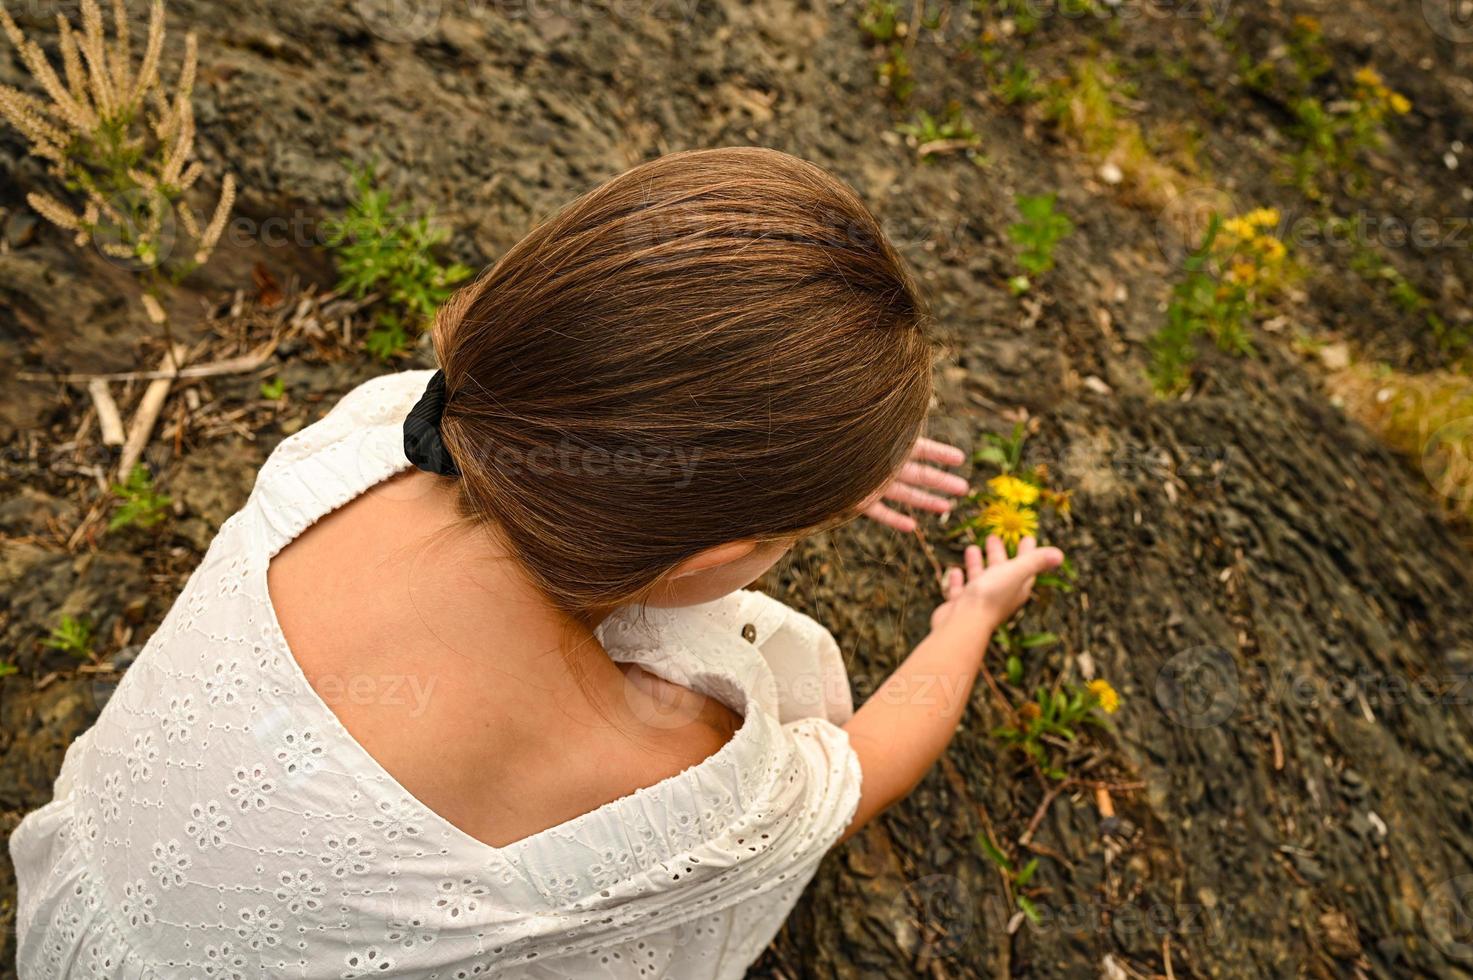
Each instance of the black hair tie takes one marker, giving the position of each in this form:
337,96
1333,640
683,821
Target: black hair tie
422,442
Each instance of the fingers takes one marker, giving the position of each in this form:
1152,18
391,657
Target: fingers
973,561
1027,545
997,552
955,583
931,451
904,493
890,518
1042,560
933,479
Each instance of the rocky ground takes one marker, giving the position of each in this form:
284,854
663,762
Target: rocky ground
1283,602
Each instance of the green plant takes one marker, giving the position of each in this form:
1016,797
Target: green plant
139,504
379,248
1018,877
120,144
950,132
1335,135
1054,717
1224,288
273,390
388,339
1403,292
1038,234
1011,504
1019,85
894,73
881,20
1087,107
72,635
7,668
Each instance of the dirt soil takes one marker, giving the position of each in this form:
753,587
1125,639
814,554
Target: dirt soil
1279,599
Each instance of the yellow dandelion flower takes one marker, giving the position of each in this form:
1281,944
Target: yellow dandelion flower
1400,104
1013,490
1107,696
1369,77
1239,229
1242,274
1273,250
1264,218
1009,521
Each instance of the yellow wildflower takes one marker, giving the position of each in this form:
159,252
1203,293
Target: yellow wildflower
1107,696
1264,217
1400,104
1238,229
1273,250
1369,77
1061,501
1009,521
1013,490
1246,227
1242,273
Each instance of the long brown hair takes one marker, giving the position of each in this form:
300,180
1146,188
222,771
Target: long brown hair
714,346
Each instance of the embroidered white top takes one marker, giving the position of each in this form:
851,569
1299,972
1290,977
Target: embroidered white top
219,822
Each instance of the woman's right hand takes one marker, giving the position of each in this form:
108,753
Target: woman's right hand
985,595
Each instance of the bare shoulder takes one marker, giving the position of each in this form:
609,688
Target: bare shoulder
680,727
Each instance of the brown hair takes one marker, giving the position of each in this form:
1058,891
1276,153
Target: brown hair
713,346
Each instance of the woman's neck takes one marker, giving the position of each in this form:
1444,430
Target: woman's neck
464,579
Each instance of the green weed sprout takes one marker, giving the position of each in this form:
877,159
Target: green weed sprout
1057,716
71,635
379,248
1037,235
139,504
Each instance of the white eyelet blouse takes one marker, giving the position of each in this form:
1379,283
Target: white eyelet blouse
219,822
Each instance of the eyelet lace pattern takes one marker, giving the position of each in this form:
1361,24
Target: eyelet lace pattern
219,823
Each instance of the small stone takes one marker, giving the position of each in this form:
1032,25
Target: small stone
1335,357
1111,174
135,610
20,229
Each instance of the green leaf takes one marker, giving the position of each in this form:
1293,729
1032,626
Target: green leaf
990,849
1026,906
1014,671
1037,641
990,454
1026,874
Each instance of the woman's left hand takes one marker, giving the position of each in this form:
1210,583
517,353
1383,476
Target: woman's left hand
912,485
